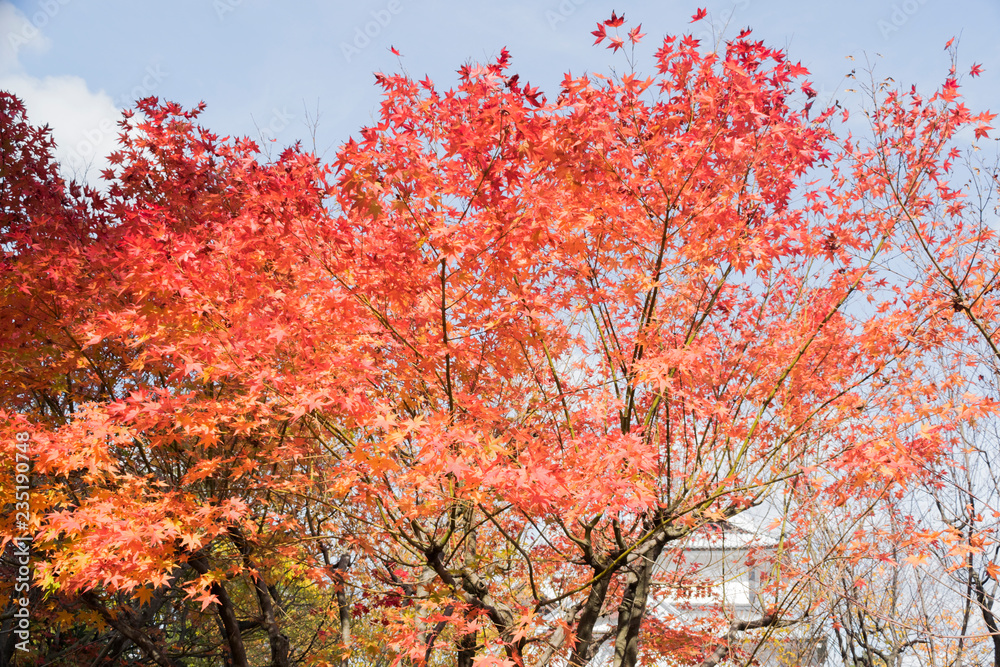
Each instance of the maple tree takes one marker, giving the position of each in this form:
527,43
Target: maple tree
451,398
949,257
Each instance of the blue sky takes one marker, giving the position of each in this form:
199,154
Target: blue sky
266,69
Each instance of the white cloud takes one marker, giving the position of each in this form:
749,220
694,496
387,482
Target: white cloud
84,123
20,34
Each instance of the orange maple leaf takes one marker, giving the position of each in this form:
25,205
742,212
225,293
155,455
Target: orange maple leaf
144,594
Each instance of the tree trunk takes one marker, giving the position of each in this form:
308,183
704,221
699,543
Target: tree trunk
985,601
227,613
266,602
633,606
584,647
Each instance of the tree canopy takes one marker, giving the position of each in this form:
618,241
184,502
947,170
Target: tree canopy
451,398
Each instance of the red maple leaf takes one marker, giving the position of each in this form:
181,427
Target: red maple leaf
976,70
634,35
949,90
797,70
599,33
616,43
699,15
532,95
615,21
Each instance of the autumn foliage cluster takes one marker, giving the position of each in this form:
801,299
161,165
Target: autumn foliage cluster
450,398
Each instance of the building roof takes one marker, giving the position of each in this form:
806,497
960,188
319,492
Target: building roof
736,533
